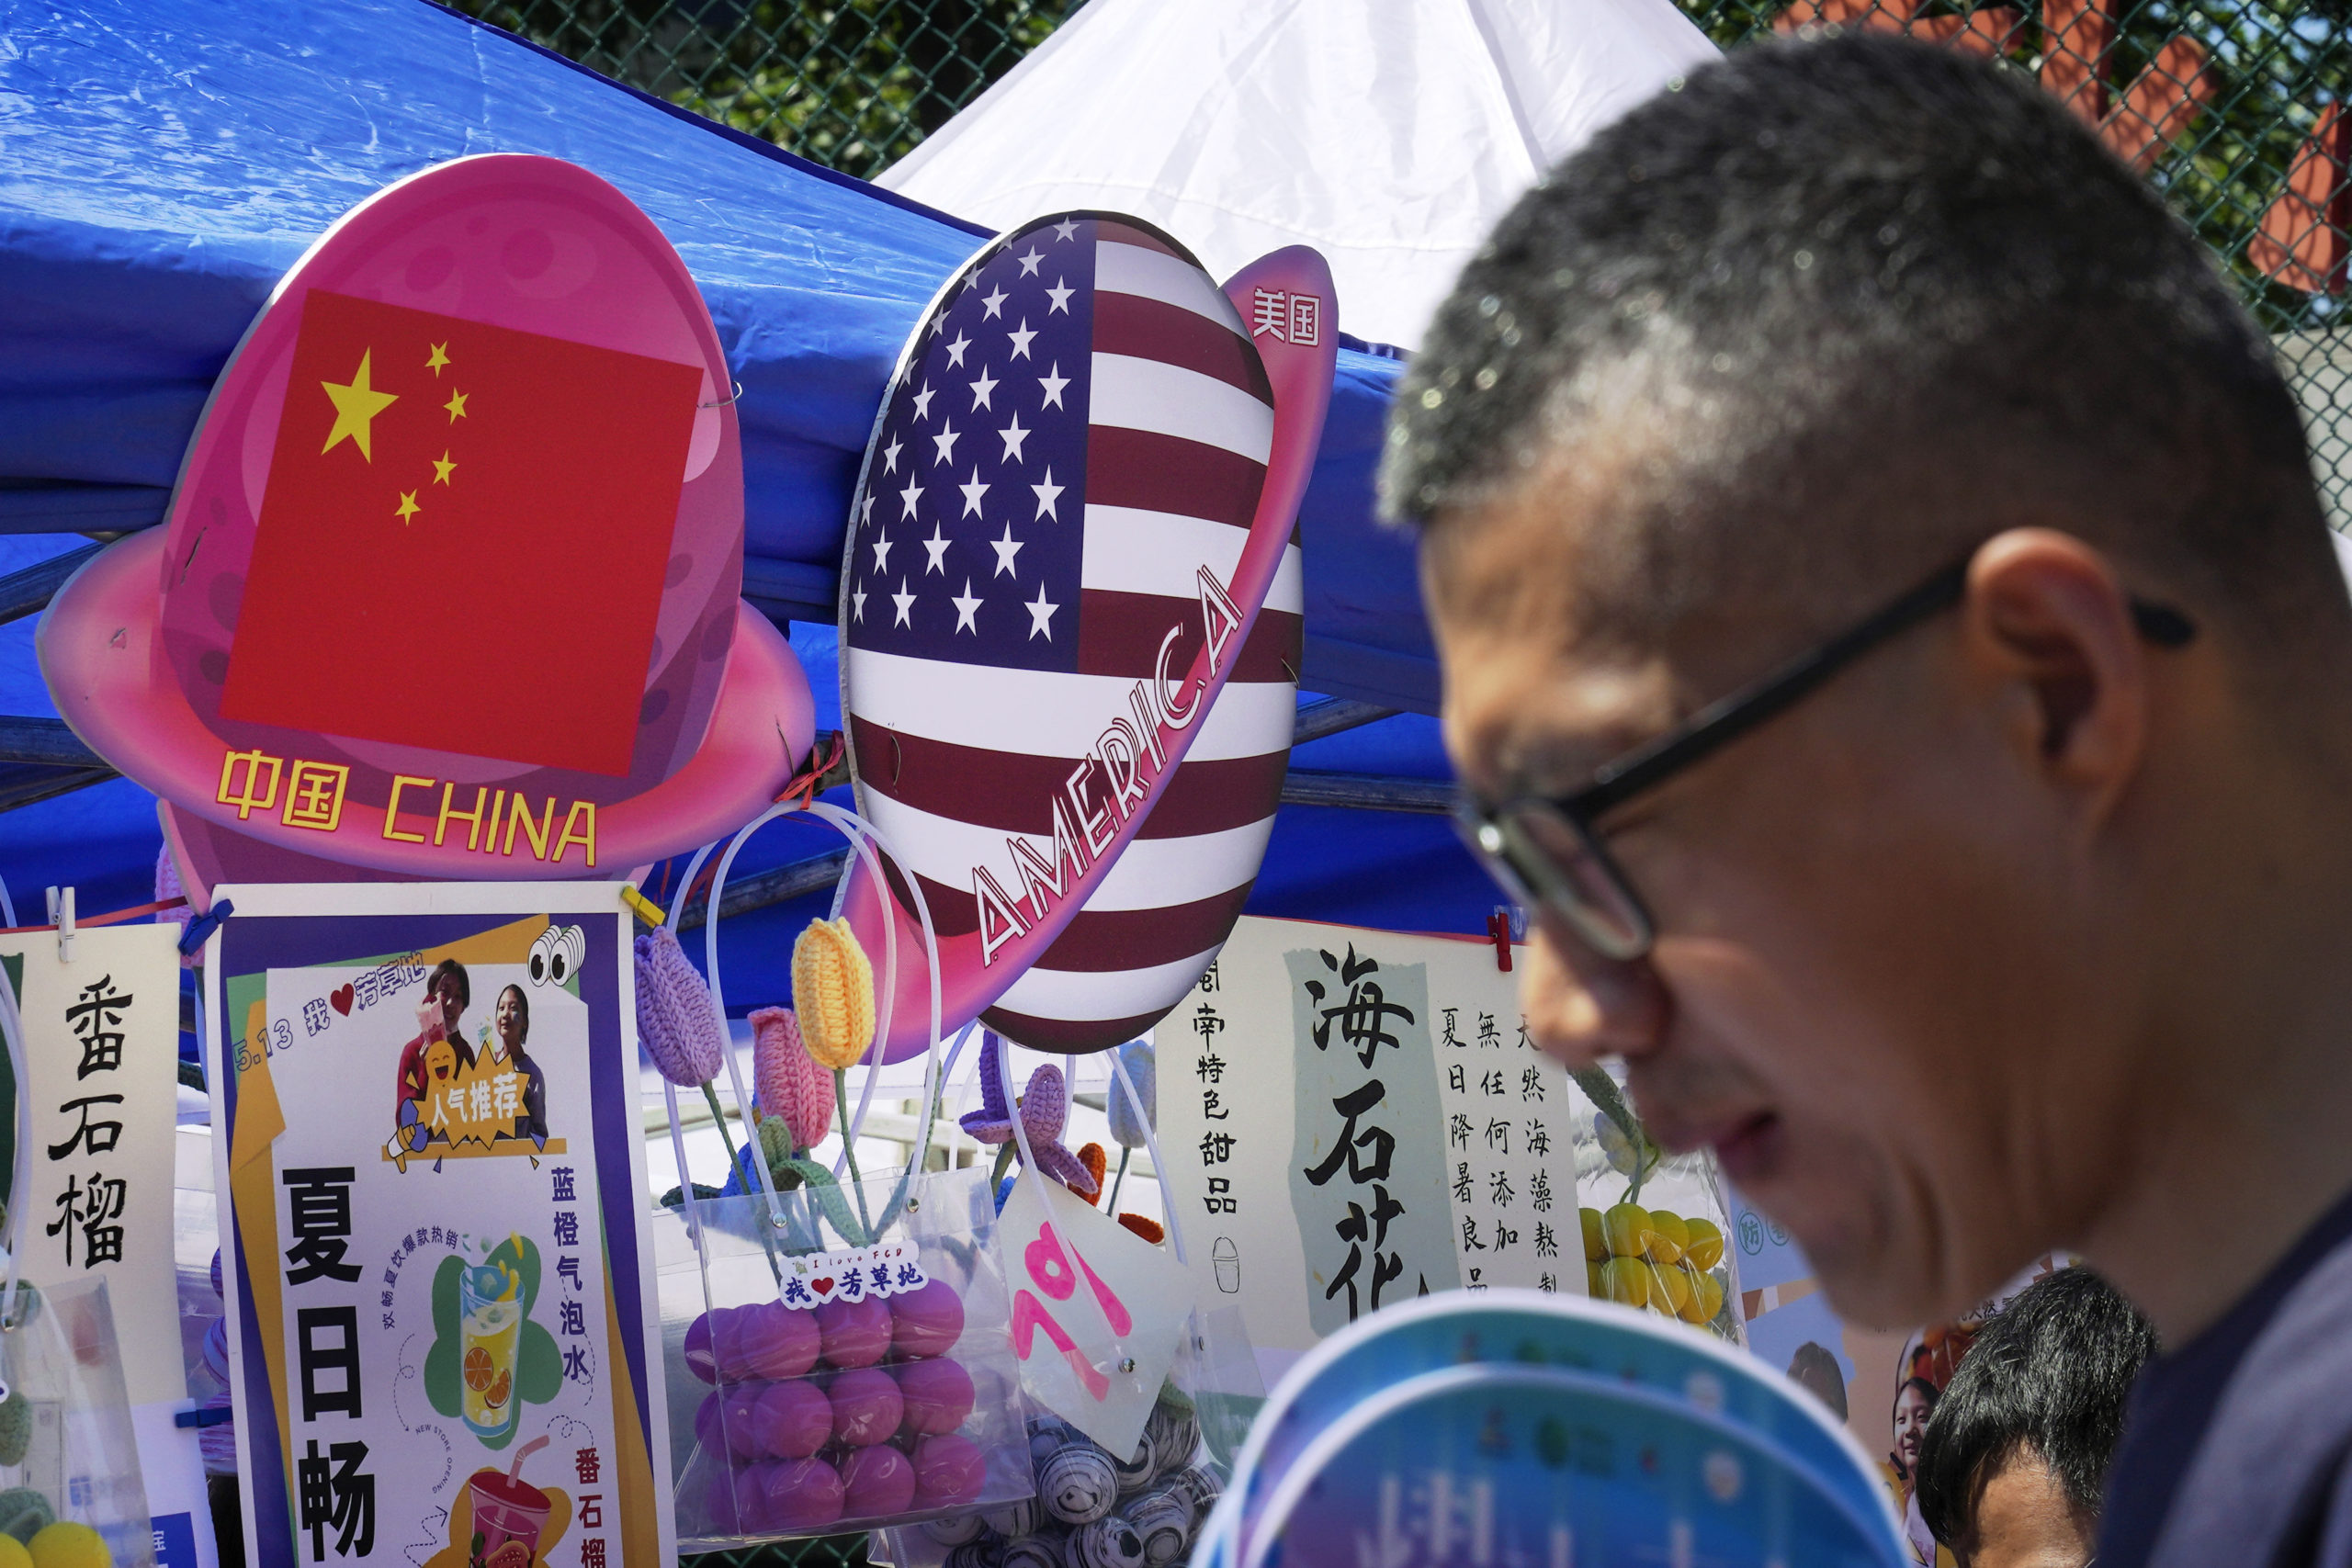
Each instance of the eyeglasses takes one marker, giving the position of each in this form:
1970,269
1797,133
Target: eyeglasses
1547,853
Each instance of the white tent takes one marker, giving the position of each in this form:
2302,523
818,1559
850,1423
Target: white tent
1390,135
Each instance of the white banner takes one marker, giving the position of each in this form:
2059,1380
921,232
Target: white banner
1353,1118
102,1036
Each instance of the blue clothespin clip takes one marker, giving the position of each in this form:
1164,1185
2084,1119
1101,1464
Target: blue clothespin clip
199,930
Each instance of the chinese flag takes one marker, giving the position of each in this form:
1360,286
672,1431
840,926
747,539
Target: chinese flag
463,538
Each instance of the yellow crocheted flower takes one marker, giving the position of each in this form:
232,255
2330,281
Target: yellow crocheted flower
833,993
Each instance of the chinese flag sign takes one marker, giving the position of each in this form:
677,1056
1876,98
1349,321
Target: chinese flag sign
463,538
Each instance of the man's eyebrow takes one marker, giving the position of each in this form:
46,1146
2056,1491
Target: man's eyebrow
1552,763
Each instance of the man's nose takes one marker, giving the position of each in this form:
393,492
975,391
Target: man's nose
1582,1007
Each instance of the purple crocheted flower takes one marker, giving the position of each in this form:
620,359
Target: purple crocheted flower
674,1013
1045,1109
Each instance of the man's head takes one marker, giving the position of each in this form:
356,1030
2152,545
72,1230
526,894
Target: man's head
2009,1475
1770,350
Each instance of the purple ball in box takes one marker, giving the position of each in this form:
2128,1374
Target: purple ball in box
938,1396
867,1407
926,1322
725,1509
775,1342
802,1495
855,1334
949,1471
791,1420
736,1402
875,1483
699,1356
707,1422
752,1509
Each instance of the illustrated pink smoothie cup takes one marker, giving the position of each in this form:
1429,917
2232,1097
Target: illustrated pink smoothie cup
508,1515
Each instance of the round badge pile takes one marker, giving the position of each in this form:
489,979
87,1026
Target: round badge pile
1093,1508
851,1411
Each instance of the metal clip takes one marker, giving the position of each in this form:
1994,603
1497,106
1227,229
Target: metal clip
60,914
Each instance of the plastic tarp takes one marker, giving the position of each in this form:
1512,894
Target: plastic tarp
1390,136
161,164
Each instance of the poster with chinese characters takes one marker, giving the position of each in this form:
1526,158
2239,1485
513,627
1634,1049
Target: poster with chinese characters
1354,1118
425,1112
102,1031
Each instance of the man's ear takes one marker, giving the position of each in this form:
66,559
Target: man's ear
2046,617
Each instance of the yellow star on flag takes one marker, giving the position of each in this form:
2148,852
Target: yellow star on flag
355,405
408,507
457,407
440,358
441,466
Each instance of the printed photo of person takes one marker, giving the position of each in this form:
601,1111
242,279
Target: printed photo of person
447,994
1915,1403
1816,1369
510,1019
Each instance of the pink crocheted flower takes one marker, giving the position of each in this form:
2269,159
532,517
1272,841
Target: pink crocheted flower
1044,1110
789,1082
674,1013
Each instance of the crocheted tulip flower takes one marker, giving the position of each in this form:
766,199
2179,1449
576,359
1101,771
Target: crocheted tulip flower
674,1013
1044,1110
1128,1129
833,993
791,1087
678,1024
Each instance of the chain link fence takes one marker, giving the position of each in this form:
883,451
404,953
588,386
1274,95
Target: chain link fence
851,83
2233,108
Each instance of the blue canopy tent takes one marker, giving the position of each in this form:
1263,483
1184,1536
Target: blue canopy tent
162,165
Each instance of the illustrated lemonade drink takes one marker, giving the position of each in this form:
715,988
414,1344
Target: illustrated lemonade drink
490,1296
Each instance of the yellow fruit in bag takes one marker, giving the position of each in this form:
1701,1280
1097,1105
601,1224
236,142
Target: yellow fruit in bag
1592,1285
1667,1236
1706,1248
1706,1299
1596,1244
69,1545
1670,1290
1626,1228
1694,1304
1626,1279
13,1553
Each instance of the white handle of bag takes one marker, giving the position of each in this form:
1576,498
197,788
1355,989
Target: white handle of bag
20,1182
1151,1147
865,838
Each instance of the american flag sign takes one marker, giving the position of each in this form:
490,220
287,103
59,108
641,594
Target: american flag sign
1072,617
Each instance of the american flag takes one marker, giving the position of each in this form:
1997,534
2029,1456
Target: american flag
1079,431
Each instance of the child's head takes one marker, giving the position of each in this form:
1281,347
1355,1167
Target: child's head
2010,1473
